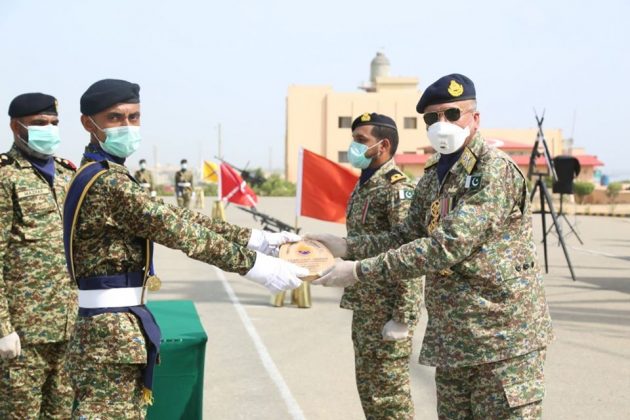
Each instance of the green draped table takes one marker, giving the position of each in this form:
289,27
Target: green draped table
178,379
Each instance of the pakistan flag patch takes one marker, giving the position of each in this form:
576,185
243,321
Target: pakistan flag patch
405,194
473,182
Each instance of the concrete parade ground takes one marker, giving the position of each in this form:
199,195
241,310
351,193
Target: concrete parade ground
288,363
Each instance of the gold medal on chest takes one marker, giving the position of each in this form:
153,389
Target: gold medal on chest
154,283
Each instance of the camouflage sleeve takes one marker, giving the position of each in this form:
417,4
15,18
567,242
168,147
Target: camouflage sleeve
408,294
6,221
366,246
233,233
135,212
477,216
151,184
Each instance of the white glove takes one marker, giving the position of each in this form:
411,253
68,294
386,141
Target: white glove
10,346
269,242
393,331
342,274
153,194
275,274
336,245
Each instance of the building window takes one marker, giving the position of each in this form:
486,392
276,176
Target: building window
345,122
411,122
342,157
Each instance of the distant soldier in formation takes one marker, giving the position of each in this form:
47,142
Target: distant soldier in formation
111,226
384,316
469,229
145,178
38,301
184,185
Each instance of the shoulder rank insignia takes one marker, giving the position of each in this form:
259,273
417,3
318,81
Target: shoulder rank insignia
395,176
468,160
432,160
66,163
5,159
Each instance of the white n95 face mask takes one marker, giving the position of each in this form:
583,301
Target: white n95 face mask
446,137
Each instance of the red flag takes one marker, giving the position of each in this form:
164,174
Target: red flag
323,187
234,189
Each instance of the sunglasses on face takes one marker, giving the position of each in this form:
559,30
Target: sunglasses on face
451,114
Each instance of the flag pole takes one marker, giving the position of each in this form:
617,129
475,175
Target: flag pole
218,212
302,295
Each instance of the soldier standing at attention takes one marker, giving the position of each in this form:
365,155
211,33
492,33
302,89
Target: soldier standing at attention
38,301
145,178
184,185
110,224
384,316
469,229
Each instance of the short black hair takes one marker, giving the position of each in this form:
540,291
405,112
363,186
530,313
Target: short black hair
382,132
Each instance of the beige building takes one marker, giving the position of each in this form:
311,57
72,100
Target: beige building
319,119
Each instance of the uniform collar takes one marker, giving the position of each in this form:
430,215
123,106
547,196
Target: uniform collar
19,157
469,157
384,168
94,152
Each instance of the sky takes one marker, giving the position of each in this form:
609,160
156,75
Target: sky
201,64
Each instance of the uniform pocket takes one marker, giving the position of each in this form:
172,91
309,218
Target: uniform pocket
40,217
525,392
522,378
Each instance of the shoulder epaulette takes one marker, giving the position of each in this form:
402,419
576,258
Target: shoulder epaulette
395,176
432,160
66,163
5,159
468,160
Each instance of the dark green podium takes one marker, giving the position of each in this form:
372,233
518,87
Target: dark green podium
178,379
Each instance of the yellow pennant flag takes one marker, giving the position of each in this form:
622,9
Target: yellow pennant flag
210,171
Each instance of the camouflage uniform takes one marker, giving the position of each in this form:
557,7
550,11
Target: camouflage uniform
472,236
37,298
382,367
107,351
184,187
145,179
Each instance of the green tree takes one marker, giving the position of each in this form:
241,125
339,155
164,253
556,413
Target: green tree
275,186
582,189
210,190
612,191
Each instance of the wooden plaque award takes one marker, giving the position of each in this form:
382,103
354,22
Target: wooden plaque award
310,254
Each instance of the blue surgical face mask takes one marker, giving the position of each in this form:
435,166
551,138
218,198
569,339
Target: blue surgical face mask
356,155
43,138
120,141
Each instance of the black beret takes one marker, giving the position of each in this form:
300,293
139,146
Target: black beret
451,88
374,119
142,161
183,161
108,92
32,104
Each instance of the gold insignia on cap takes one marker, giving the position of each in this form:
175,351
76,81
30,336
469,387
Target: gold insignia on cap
455,89
365,117
56,106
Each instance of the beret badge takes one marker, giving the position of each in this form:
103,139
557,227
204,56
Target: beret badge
455,89
365,117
